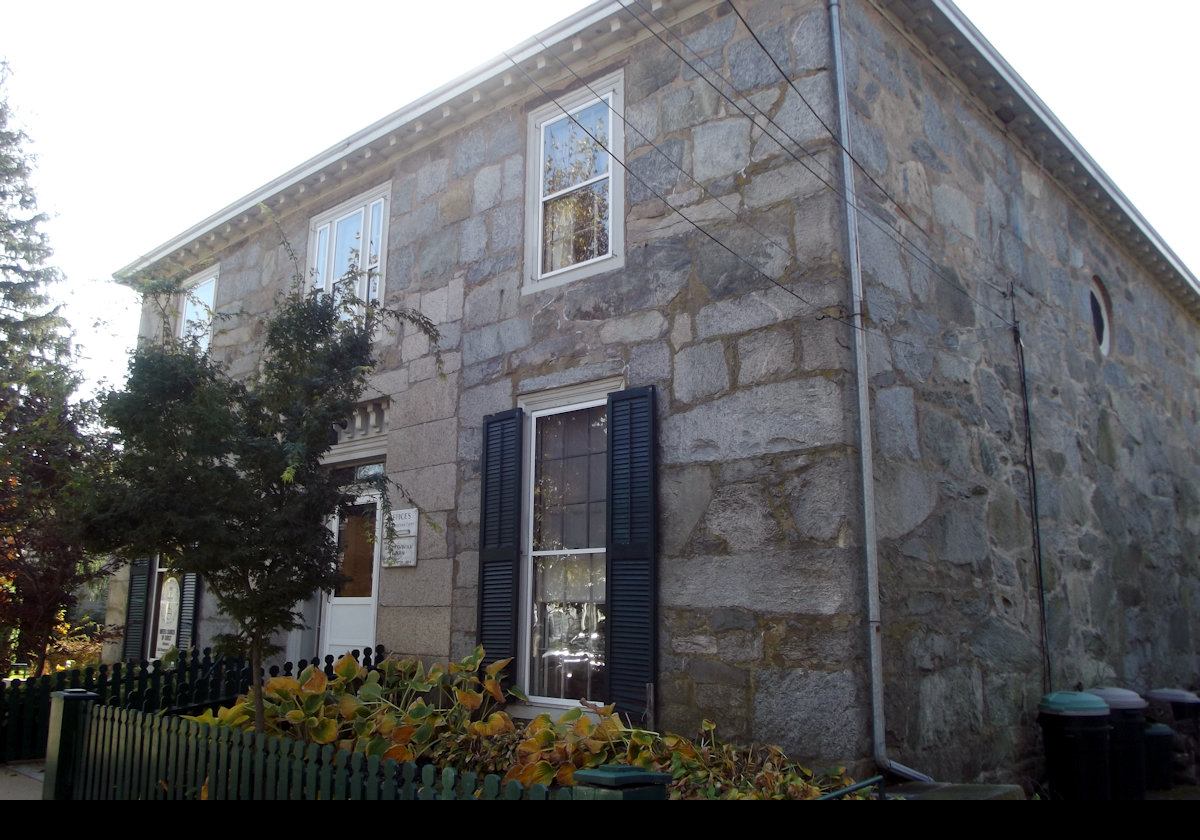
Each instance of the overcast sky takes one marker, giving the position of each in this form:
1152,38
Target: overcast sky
146,117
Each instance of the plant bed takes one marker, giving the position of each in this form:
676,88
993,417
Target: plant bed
453,717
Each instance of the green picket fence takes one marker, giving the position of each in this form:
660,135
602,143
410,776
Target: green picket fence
105,753
192,682
196,681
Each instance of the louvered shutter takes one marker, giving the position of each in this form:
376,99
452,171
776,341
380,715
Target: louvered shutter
135,611
189,610
632,518
500,534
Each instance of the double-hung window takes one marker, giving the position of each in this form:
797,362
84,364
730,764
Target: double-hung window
567,542
576,186
196,308
347,245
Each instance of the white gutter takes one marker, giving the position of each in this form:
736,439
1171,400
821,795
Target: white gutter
866,450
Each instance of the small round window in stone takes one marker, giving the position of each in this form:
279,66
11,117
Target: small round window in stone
1101,312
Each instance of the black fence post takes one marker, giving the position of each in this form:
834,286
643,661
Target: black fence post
64,747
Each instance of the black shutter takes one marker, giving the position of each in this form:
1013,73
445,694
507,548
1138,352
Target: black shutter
135,611
632,518
189,610
500,534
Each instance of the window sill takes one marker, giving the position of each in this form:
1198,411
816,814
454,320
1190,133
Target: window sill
599,265
546,706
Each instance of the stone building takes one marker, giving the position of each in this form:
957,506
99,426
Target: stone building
732,422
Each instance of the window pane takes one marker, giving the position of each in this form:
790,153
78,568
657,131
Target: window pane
567,639
373,249
198,312
347,244
570,155
567,656
320,269
356,544
575,227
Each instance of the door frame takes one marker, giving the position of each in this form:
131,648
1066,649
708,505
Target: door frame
330,601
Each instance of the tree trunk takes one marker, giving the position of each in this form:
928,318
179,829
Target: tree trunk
256,684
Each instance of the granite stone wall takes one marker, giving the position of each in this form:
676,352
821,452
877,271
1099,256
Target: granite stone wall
761,574
1112,434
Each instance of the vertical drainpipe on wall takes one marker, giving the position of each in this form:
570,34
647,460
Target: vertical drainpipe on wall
867,457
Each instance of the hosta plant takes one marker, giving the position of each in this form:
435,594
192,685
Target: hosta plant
453,716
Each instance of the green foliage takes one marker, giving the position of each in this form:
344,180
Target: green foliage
453,717
48,449
223,476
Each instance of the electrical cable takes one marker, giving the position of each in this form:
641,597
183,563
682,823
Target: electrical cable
821,314
906,244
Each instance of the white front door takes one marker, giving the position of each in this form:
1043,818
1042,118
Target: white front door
348,619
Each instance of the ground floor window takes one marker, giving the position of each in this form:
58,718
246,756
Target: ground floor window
568,467
567,545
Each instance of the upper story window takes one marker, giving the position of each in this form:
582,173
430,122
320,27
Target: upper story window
576,186
351,238
196,309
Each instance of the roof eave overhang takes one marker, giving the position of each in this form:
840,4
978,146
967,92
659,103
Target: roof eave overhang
431,113
947,33
938,24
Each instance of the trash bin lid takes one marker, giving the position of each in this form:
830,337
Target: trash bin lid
1119,698
1174,695
1073,704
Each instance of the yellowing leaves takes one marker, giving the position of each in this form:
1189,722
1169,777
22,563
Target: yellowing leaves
450,716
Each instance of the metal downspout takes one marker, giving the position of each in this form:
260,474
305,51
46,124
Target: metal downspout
867,456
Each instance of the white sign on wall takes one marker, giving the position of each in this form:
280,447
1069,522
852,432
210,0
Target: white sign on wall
168,618
402,548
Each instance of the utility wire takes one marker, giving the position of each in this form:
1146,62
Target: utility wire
897,236
824,125
820,312
731,210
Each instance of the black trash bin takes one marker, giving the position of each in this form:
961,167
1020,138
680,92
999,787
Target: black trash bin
1126,741
1160,745
1179,709
1075,729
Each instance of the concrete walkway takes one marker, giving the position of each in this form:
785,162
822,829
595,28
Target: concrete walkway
21,780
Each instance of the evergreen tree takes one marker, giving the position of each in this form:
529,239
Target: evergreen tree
46,450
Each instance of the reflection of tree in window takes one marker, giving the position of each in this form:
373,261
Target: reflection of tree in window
575,187
356,542
198,312
569,512
331,264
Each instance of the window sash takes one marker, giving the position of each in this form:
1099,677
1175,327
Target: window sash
575,195
564,581
351,235
196,312
629,552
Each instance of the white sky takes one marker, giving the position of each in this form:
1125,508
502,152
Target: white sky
146,117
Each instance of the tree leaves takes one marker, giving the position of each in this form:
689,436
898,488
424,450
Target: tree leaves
48,446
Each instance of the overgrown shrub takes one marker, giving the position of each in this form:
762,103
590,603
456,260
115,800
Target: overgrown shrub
453,716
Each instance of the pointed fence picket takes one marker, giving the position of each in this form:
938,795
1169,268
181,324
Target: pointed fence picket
196,681
126,754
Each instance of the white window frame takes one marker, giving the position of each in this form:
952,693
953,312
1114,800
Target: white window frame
610,87
323,272
188,325
535,406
